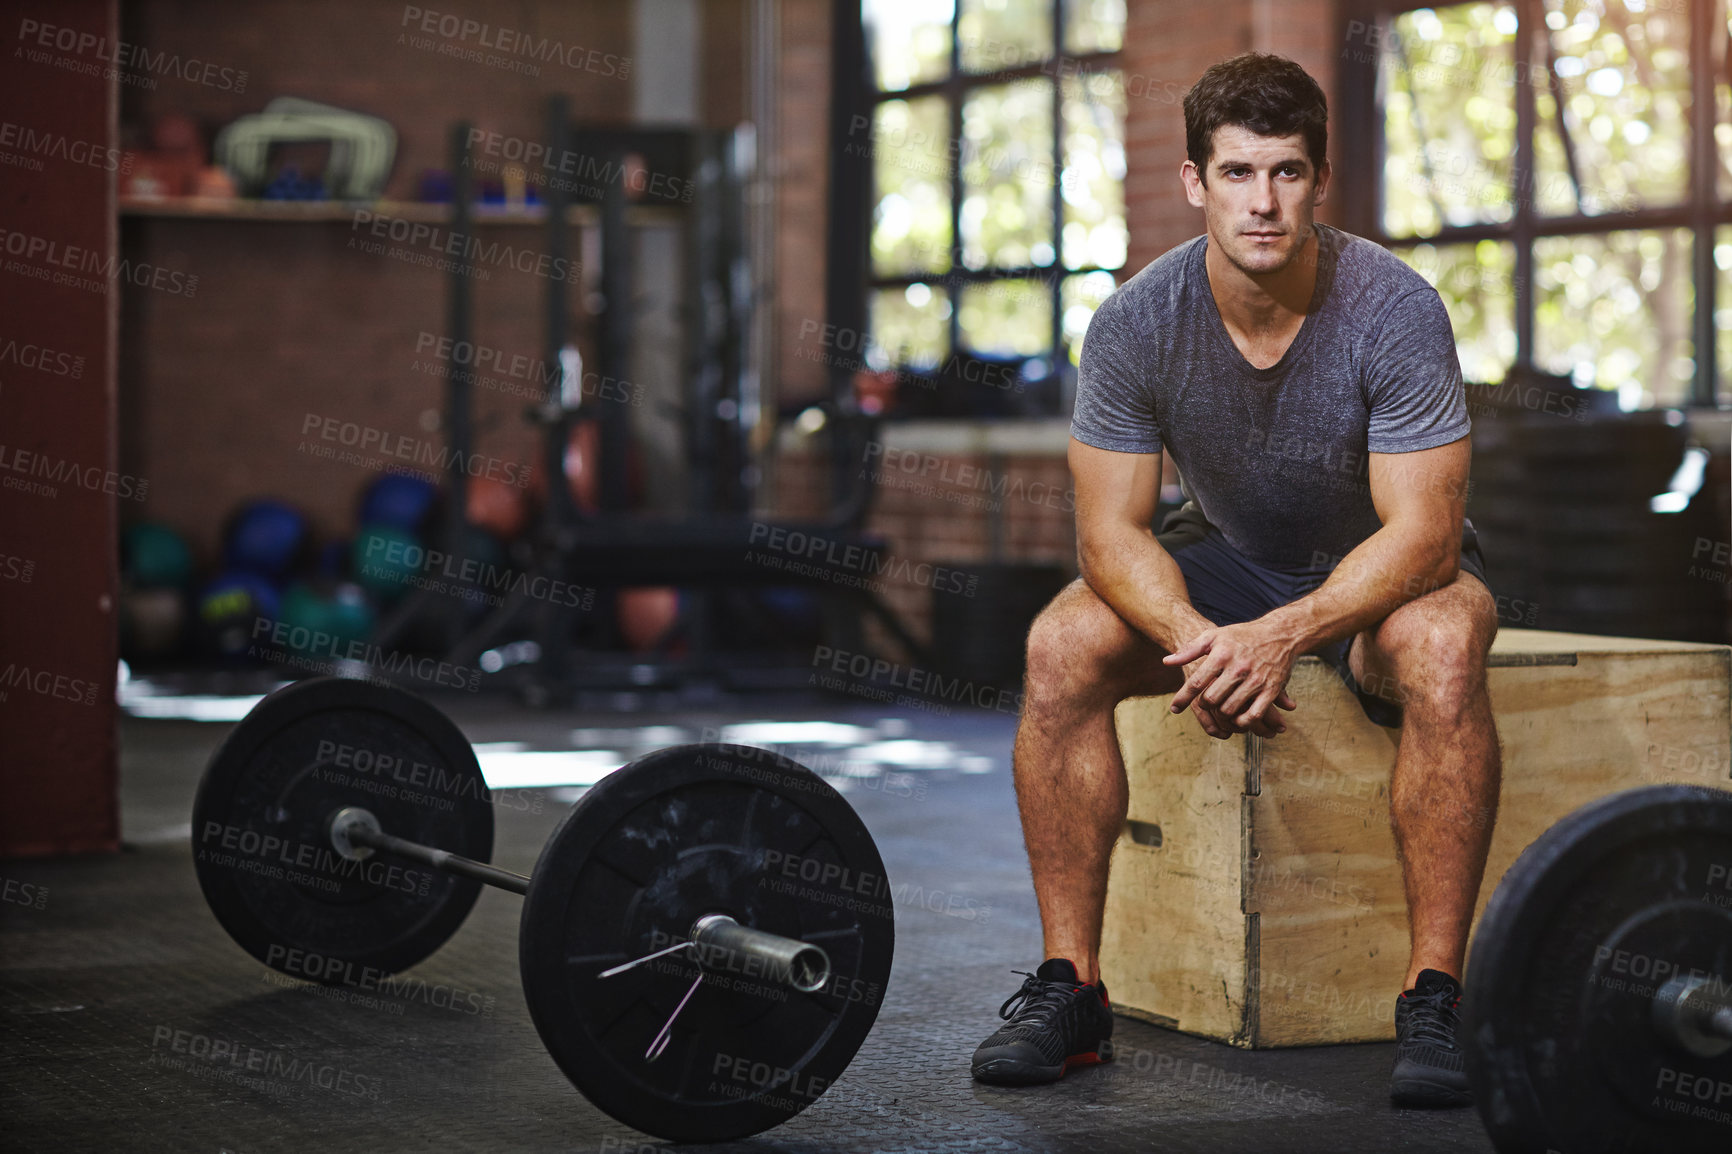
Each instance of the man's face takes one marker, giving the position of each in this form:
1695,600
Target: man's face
1259,197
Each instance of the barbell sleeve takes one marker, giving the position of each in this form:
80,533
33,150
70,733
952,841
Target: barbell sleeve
799,964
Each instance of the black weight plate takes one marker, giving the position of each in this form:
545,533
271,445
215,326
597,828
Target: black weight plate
684,832
1559,1057
1688,938
260,838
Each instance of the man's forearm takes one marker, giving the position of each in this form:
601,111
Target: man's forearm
1132,573
1388,569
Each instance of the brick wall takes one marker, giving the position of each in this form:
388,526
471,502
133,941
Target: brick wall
289,320
291,326
940,489
946,521
802,192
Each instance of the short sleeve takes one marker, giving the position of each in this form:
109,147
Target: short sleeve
1115,403
1413,378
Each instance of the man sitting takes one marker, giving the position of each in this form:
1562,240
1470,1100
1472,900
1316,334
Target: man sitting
1306,383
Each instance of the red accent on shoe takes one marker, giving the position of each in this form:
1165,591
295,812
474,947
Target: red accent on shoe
1076,1060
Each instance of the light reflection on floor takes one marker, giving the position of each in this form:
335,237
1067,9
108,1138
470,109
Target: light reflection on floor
513,765
141,697
844,755
879,755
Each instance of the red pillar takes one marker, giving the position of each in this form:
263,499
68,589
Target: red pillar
59,479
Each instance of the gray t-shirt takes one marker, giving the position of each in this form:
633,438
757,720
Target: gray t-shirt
1275,458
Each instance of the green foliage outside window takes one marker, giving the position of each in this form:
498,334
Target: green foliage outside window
1611,88
1033,231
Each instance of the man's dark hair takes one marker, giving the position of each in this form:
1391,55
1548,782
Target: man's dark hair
1262,93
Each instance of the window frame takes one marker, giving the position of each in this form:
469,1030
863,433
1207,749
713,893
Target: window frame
1702,211
954,87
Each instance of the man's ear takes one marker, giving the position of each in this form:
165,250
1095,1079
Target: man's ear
1323,175
1194,185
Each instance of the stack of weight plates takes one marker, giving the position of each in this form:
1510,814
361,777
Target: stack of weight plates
1500,506
979,628
1562,507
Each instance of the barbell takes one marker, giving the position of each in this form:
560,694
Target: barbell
705,938
1598,1011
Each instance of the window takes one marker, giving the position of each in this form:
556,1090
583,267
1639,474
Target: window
1553,167
997,212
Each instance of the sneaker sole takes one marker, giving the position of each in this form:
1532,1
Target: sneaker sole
1427,1095
1009,1072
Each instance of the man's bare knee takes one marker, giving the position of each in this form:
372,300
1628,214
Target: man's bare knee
1437,651
1081,654
1063,644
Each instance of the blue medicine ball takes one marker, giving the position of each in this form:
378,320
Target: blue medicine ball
399,502
264,537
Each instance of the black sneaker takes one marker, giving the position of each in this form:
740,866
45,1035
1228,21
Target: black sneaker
1052,1024
1429,1067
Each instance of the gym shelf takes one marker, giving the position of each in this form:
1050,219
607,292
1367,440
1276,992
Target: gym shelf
329,211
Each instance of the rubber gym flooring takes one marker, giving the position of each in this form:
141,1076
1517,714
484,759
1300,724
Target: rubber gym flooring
114,956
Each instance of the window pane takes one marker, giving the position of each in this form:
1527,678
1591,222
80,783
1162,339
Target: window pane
1007,176
1094,25
997,34
1723,312
1622,75
911,223
909,40
1476,282
910,328
1614,311
1082,295
1007,318
1093,182
1448,117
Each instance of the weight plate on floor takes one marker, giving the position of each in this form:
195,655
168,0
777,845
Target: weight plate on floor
1557,1023
684,832
260,838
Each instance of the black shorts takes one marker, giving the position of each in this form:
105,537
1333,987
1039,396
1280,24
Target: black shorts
1228,589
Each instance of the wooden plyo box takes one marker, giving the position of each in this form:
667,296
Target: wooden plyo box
1255,896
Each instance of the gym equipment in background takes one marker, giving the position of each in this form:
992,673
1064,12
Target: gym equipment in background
362,148
232,610
266,537
400,501
154,556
